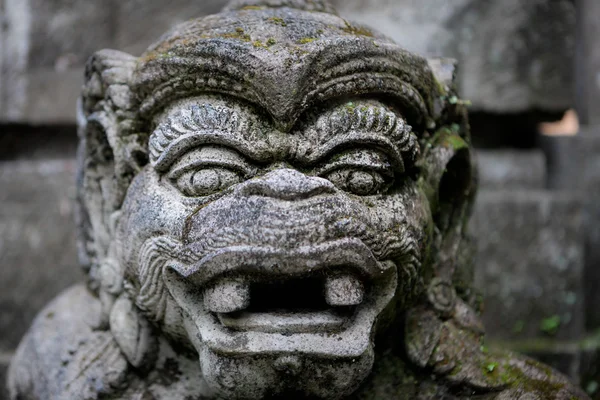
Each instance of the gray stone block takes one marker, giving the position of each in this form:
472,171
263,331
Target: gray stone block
574,165
530,263
140,22
43,42
511,53
511,169
37,241
4,363
3,373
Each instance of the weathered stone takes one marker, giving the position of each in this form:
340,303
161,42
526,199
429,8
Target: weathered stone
140,22
511,169
530,263
587,77
574,165
513,55
37,253
272,202
4,362
3,375
44,43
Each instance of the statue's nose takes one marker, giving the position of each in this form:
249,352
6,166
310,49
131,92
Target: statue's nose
287,184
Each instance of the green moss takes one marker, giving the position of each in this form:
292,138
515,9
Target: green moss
306,40
278,21
491,367
518,326
454,141
550,325
357,30
271,42
238,34
350,107
246,8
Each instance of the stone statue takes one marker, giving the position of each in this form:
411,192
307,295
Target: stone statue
272,204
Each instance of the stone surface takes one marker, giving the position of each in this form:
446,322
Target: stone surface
37,251
3,376
530,263
511,169
574,165
273,202
512,52
140,22
45,44
588,62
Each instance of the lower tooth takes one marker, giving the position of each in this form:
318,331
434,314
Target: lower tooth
228,295
343,290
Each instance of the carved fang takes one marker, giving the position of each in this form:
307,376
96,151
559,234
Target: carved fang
343,290
228,295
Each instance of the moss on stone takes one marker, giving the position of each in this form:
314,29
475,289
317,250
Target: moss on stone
357,30
239,34
278,21
307,40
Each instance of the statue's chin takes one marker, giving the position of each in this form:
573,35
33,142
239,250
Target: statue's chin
263,375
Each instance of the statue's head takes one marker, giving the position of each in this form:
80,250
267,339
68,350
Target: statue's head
272,188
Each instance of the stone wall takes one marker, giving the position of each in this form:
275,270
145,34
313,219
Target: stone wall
514,55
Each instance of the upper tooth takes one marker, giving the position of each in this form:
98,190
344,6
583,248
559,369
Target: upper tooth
228,295
343,290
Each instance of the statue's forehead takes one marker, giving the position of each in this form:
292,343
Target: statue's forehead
281,59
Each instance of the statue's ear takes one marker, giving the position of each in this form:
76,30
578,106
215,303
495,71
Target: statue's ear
109,152
448,169
448,173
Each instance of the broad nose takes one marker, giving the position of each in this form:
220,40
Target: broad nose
287,184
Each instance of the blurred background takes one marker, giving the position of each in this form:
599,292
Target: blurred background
531,69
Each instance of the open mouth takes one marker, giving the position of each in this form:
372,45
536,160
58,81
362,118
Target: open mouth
299,304
321,300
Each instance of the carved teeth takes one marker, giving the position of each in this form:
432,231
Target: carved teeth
228,295
343,290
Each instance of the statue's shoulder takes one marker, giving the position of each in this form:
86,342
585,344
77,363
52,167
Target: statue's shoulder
67,351
528,379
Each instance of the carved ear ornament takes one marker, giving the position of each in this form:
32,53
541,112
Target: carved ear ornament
109,153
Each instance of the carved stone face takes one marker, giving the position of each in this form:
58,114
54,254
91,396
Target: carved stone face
276,253
263,185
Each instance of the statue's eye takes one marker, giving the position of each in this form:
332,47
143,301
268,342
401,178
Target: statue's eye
359,182
208,170
362,172
205,181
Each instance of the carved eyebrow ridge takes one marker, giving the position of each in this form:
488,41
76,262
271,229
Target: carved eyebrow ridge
343,125
223,126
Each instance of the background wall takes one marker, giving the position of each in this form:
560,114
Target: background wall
537,218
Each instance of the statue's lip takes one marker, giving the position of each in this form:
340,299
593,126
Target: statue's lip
351,253
215,295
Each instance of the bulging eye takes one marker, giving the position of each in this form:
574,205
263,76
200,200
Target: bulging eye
206,181
357,181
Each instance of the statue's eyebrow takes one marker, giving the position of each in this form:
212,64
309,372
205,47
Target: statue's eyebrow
367,125
201,124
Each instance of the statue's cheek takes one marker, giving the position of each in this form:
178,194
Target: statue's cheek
150,210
